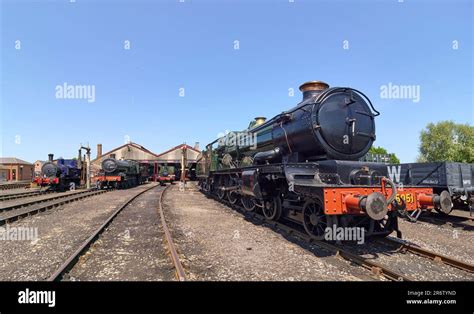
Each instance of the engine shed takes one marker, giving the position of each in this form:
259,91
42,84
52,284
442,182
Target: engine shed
178,156
170,160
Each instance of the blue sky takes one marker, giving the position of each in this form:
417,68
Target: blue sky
191,45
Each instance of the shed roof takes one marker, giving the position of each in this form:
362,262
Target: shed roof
13,160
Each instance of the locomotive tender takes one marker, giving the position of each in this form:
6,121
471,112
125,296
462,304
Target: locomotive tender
302,165
62,175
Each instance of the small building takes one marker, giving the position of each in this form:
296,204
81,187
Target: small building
38,165
14,169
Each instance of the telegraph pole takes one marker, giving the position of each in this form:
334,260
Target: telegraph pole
183,167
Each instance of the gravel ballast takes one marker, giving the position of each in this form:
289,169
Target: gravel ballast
133,246
217,243
60,232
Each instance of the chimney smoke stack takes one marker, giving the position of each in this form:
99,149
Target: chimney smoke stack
260,120
50,157
99,150
313,88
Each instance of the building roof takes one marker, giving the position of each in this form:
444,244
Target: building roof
13,160
163,157
124,145
178,147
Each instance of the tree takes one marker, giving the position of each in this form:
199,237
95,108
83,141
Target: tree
382,151
447,141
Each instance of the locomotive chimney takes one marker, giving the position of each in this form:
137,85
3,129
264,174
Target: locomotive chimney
99,150
50,157
312,88
196,146
260,120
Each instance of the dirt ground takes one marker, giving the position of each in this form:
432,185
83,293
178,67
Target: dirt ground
132,248
214,242
60,232
217,243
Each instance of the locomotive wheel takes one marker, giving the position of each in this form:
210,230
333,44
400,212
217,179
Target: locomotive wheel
233,197
314,220
219,184
220,193
272,208
248,203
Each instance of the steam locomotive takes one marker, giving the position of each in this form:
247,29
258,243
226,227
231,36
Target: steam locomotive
302,165
64,174
120,174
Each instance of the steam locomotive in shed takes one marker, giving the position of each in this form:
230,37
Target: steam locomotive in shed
119,174
62,174
302,165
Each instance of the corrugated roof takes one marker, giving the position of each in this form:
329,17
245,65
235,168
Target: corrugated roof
13,160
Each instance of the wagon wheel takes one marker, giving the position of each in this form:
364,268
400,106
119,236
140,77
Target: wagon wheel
248,203
232,196
272,208
314,219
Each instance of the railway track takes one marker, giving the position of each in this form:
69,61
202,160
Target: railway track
404,246
33,207
180,274
465,222
69,263
14,185
11,206
374,267
13,196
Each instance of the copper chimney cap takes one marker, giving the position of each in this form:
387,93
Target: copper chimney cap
260,120
314,86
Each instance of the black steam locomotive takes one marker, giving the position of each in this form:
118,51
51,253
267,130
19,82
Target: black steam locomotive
302,165
120,174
